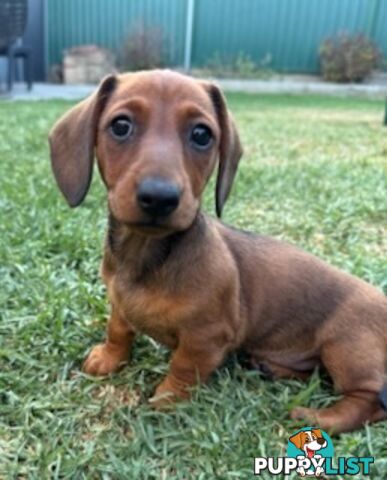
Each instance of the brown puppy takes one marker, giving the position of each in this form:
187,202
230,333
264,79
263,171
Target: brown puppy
190,282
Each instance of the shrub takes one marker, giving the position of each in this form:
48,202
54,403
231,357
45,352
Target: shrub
348,58
239,66
143,49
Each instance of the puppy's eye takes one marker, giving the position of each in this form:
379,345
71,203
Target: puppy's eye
201,137
121,128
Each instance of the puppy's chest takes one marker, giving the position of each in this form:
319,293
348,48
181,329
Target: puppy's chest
151,310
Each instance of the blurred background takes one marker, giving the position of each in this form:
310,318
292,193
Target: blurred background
79,41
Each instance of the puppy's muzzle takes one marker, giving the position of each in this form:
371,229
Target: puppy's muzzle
158,197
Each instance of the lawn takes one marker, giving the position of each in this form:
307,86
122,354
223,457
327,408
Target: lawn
314,173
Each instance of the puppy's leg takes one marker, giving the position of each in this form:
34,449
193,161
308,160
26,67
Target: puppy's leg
357,370
108,357
349,413
271,371
195,358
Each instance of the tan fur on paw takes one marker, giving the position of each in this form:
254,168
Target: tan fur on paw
167,393
163,401
102,361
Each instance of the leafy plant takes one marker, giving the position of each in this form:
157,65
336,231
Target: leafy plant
143,48
348,58
239,66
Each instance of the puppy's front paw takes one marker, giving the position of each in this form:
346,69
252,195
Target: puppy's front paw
303,413
319,471
162,401
167,393
102,360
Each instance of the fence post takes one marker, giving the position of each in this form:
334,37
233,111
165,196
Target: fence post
385,114
189,34
46,45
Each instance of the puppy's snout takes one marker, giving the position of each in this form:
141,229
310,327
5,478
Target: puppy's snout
158,197
321,441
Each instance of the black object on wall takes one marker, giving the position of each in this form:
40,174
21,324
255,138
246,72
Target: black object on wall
34,38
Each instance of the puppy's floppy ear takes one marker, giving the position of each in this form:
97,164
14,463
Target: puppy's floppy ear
297,439
230,149
72,141
317,432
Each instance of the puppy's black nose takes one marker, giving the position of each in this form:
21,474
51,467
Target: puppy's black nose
158,197
321,441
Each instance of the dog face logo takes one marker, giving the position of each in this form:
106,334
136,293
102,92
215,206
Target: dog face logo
309,441
312,445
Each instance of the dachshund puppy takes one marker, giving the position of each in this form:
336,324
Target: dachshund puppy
199,287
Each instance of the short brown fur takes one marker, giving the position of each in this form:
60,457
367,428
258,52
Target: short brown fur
198,286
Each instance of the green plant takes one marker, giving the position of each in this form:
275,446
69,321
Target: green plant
245,65
143,48
348,58
239,66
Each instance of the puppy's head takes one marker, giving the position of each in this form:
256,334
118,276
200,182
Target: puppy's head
157,137
309,441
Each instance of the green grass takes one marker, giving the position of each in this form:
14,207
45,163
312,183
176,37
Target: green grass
314,173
